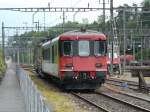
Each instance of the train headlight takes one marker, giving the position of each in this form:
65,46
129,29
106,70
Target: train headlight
69,65
98,65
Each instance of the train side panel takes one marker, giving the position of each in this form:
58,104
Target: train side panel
50,63
50,68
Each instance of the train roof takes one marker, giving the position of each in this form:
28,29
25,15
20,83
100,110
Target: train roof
73,35
79,32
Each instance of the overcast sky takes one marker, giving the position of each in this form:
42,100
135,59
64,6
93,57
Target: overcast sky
40,3
11,18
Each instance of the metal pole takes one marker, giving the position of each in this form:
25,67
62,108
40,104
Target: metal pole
44,20
145,47
112,44
3,41
124,39
111,9
63,21
112,55
148,48
104,15
131,39
38,26
141,50
141,44
33,18
74,16
18,57
134,48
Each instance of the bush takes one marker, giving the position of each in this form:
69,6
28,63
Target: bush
2,65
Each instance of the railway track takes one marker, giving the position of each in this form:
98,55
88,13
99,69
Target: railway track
99,95
139,106
128,94
131,85
108,103
75,94
90,102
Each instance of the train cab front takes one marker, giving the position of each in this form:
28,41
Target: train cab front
83,63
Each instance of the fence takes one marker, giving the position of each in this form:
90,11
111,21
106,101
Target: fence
33,99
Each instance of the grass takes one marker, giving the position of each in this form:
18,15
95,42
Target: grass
2,65
58,101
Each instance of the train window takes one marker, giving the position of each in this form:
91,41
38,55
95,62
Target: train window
53,54
84,48
67,48
46,54
99,48
50,56
56,50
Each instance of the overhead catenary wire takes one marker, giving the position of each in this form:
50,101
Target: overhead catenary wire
76,3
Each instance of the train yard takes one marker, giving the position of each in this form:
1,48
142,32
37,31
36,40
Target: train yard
85,58
106,99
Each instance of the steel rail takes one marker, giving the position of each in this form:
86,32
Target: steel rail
130,95
121,81
125,102
114,98
131,83
90,102
139,98
135,89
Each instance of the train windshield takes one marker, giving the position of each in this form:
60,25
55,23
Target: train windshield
100,48
67,48
84,48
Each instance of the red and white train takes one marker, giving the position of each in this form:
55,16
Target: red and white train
77,59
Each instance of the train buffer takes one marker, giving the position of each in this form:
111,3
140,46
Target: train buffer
141,72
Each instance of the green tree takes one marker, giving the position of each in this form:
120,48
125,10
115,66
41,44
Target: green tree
101,23
145,13
131,16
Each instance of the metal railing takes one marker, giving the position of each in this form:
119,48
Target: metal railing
33,99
